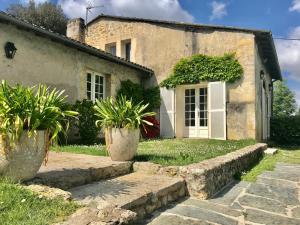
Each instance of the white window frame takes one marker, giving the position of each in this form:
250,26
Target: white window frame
93,84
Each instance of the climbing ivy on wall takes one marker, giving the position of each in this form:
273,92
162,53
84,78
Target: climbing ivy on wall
199,68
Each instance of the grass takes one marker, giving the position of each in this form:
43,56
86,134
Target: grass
19,206
285,155
169,152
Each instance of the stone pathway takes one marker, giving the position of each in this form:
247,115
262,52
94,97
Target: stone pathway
273,200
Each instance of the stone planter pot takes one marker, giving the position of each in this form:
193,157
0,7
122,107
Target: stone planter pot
22,160
122,143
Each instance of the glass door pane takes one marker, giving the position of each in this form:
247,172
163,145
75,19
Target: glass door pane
190,107
202,115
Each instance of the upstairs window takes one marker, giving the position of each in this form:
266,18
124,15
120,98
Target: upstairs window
95,86
128,51
111,48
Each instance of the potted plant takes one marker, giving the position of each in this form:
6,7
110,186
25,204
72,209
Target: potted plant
30,118
121,120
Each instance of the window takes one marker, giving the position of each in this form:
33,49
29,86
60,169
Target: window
203,107
128,51
190,107
111,48
94,86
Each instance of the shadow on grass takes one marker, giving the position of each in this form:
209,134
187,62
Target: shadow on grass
284,145
153,158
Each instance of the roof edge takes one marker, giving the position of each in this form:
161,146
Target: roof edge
138,19
71,42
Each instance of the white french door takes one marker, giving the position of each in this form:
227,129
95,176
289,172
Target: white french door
196,112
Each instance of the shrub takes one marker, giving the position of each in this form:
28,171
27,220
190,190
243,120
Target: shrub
285,130
131,91
137,94
86,121
150,131
197,68
151,96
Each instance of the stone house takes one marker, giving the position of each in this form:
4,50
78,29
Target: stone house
49,58
206,110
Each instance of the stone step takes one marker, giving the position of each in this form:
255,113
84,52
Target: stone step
141,193
67,170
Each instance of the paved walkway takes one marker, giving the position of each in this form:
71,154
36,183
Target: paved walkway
273,199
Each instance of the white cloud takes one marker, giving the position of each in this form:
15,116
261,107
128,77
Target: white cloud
297,94
36,1
218,10
289,58
295,6
289,54
155,9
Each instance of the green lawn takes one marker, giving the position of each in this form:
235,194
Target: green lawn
285,155
19,206
169,151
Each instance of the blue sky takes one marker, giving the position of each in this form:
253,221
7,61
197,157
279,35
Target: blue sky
282,17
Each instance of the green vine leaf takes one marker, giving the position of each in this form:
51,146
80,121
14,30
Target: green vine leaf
197,68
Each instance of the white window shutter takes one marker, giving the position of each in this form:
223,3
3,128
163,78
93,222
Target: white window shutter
217,110
167,113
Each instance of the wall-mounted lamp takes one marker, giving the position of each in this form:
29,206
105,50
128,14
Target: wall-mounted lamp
10,50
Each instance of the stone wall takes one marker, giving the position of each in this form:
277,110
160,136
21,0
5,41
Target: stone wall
40,60
160,47
208,177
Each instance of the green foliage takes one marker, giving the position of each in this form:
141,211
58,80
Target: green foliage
199,68
285,130
284,103
131,91
19,206
150,96
23,108
47,14
121,113
86,121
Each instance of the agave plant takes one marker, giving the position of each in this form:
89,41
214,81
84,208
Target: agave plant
121,113
30,109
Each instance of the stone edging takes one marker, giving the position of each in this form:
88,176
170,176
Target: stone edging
206,178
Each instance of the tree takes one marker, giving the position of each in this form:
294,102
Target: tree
284,100
47,15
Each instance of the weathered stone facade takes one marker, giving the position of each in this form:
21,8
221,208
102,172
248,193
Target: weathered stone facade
161,46
41,60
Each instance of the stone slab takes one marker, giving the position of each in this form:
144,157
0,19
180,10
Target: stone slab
176,220
271,151
262,203
282,175
67,170
136,191
202,214
208,205
261,217
230,193
286,195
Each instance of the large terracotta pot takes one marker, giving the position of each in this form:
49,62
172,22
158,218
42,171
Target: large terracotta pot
22,160
122,143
